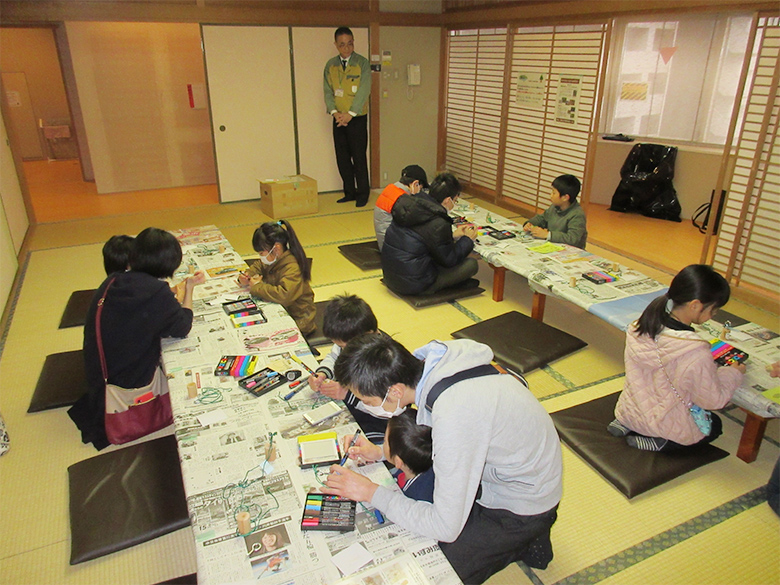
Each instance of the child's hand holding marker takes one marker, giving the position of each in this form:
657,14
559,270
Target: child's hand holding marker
348,484
329,388
352,443
316,381
243,278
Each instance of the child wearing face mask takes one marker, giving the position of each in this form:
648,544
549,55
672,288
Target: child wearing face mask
346,317
409,447
283,273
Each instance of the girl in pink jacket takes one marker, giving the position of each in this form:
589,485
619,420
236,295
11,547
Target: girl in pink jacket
670,372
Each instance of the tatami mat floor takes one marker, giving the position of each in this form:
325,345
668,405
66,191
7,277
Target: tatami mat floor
708,526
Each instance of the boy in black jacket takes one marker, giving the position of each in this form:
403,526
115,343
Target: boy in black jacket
422,254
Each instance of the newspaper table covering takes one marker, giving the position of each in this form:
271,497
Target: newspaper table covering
557,269
763,349
239,452
550,269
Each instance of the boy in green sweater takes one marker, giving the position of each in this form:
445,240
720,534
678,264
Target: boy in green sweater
564,221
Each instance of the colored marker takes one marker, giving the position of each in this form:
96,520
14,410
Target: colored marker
296,387
307,368
352,444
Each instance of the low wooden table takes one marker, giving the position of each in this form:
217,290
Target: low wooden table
558,270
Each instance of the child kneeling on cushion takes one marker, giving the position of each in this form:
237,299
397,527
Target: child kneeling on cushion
282,274
671,377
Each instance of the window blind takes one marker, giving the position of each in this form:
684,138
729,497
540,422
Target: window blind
475,80
747,251
549,64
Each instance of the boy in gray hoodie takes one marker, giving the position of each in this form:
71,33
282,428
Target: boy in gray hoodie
497,457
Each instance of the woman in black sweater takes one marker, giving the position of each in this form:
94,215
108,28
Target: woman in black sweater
139,310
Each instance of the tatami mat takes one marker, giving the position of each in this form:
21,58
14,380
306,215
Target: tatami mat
599,536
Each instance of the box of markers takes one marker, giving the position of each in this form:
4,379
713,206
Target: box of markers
245,306
247,318
237,366
262,381
599,277
326,512
726,354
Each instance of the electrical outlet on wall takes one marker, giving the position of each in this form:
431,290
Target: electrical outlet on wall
384,176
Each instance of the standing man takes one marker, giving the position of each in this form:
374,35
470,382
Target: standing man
347,84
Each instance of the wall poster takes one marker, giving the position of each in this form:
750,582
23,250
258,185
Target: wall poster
531,89
567,100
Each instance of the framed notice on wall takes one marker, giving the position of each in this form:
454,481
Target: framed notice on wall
567,100
531,89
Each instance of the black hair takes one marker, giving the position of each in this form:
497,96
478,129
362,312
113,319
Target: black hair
443,186
695,282
342,30
372,362
406,180
155,252
281,232
116,253
346,317
409,441
567,185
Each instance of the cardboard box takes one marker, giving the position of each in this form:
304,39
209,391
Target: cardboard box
288,196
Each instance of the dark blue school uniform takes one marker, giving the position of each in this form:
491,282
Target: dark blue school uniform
420,487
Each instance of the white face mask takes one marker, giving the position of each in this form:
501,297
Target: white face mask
380,412
266,261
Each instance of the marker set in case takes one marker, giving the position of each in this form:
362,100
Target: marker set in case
599,277
726,354
326,512
261,382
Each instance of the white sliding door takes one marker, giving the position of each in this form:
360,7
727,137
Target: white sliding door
312,47
250,91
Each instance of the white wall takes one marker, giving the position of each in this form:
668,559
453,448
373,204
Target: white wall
13,218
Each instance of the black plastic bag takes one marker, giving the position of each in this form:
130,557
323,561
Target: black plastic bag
646,183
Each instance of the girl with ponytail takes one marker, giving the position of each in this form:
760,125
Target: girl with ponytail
671,377
283,273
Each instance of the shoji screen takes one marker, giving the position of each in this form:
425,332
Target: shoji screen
551,110
475,81
251,106
747,251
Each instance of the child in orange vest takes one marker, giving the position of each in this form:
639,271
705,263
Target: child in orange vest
413,180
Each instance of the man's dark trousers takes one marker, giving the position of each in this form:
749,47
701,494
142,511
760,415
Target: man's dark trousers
351,142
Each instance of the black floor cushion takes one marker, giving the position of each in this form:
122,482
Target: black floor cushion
75,313
445,295
61,383
521,343
125,497
364,255
632,471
